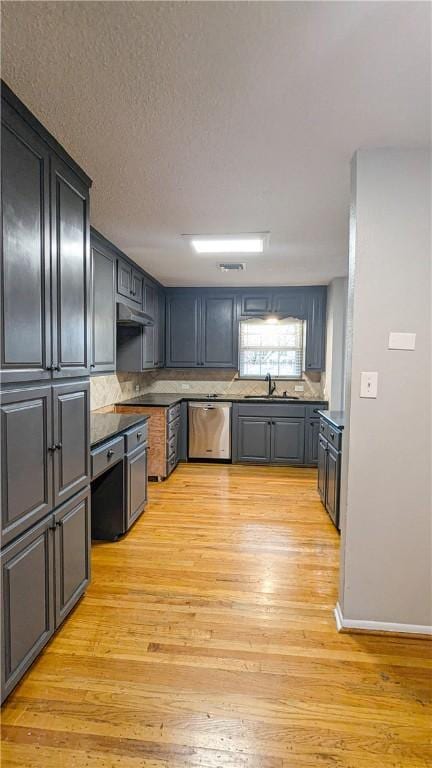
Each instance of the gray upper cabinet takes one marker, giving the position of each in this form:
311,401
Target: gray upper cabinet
183,333
256,303
71,420
26,458
136,484
290,303
201,330
124,279
219,337
72,553
159,332
150,339
287,441
25,284
129,282
315,329
70,271
28,601
103,308
45,254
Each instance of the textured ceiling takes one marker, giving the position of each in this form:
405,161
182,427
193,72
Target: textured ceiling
223,117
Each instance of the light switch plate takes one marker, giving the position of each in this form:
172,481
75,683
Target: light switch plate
369,384
402,341
299,388
184,385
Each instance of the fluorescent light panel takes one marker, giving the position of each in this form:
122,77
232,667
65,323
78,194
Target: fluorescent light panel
253,243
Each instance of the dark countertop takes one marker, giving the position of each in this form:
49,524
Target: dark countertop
167,399
106,425
337,418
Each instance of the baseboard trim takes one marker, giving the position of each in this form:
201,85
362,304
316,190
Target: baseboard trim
359,625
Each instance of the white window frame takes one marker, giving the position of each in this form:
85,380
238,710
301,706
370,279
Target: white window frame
299,377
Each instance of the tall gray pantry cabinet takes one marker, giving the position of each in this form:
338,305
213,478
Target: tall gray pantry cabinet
45,363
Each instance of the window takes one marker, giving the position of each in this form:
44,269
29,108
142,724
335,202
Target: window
271,346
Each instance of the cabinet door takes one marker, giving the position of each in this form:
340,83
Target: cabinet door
136,484
26,458
137,287
71,553
322,468
70,251
332,494
311,441
161,331
290,303
219,336
149,332
103,310
25,270
287,444
124,279
71,416
28,601
256,303
315,330
253,440
183,331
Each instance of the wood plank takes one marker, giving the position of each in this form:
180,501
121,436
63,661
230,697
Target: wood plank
207,638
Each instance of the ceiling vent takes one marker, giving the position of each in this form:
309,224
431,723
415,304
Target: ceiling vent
232,267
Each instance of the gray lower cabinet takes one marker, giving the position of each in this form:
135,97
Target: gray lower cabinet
311,441
26,459
287,441
103,308
27,569
253,440
329,469
44,573
136,484
72,552
71,420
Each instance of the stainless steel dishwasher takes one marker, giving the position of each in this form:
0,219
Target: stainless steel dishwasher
209,430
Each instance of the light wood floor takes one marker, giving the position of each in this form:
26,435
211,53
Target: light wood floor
207,640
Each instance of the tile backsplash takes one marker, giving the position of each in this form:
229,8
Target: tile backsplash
114,388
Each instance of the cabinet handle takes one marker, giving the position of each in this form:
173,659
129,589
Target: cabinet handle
139,435
332,435
52,527
50,368
59,523
59,446
110,453
92,365
51,448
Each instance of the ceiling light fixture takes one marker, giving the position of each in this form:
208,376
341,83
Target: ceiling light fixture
213,244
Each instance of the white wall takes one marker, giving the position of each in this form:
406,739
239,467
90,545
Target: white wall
337,293
386,492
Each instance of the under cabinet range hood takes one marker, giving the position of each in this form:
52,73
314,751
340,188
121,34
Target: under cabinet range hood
130,316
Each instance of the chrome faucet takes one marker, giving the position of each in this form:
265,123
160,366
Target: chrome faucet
271,387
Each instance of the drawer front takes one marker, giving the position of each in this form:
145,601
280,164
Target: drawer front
172,446
136,436
106,456
267,411
171,463
323,428
173,428
174,412
334,436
